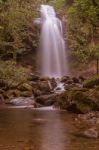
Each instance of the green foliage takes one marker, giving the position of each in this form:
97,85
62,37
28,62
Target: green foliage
11,74
83,28
17,32
90,83
78,101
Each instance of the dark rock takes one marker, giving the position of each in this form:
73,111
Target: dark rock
53,83
44,78
82,79
46,100
75,80
69,81
65,79
37,92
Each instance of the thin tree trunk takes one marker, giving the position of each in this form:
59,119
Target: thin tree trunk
97,66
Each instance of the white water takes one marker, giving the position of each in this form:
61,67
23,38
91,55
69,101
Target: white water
52,51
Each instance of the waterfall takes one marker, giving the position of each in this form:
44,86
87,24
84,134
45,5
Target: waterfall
52,50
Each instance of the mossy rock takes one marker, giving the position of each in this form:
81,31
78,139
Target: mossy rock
76,101
26,94
62,100
90,83
43,86
11,94
82,102
25,87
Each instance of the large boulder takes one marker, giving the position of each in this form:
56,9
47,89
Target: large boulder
91,133
46,100
22,101
25,87
77,100
41,88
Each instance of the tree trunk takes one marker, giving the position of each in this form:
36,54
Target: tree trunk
97,67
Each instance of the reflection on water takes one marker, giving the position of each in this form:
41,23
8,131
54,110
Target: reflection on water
24,129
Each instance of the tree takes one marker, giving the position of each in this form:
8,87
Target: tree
83,27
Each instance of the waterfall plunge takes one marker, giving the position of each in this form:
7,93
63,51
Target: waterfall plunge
52,54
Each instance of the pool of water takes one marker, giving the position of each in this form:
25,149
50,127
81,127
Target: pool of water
28,129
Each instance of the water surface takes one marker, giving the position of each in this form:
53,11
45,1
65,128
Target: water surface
28,129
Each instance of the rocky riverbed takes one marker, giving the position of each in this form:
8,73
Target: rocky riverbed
77,95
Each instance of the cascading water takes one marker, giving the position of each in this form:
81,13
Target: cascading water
52,55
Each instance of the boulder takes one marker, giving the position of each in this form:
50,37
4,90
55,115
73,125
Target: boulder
25,87
11,94
53,83
76,100
44,87
22,101
46,100
75,80
91,133
26,94
65,79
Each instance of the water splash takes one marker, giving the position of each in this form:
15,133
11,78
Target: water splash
52,54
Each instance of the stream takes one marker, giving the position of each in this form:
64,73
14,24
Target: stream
40,129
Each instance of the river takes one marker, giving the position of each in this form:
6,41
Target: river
38,129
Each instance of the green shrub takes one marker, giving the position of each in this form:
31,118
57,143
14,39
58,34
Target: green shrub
90,83
11,74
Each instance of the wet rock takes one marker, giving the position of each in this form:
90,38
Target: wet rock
46,100
53,83
69,81
22,101
75,80
44,78
37,92
91,133
77,100
26,94
82,79
1,99
91,118
65,79
43,86
11,94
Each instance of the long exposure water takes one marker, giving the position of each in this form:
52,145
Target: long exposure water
52,51
28,129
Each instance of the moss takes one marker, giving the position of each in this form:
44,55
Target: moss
76,101
90,83
25,87
26,94
62,100
11,94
